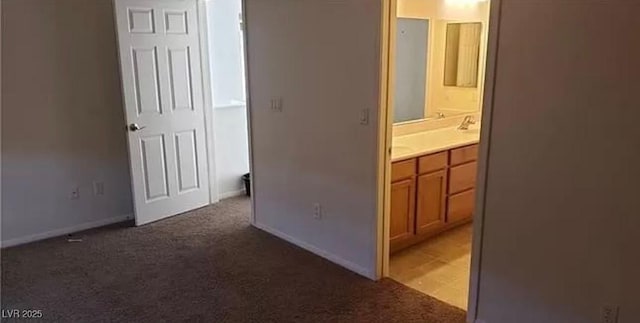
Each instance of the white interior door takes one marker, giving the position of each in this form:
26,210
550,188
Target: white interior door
162,87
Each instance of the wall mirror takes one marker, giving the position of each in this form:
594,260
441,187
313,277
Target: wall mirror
462,54
437,68
411,58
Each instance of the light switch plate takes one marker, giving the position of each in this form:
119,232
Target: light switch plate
98,188
75,193
276,104
364,117
317,211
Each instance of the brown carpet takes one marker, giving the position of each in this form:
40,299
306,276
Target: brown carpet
207,265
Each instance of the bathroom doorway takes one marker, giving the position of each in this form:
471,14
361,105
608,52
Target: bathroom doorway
437,53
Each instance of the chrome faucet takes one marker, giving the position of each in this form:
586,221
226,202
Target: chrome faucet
468,120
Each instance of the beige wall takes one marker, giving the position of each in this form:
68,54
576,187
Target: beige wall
562,215
449,100
324,62
62,118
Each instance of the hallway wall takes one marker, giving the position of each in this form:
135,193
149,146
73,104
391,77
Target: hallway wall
322,58
562,212
62,119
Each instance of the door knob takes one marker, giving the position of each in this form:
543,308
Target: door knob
135,127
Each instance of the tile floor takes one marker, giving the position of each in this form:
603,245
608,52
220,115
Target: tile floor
438,267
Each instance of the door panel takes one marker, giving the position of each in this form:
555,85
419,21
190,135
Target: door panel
187,161
432,194
154,167
141,21
161,79
145,74
180,78
175,22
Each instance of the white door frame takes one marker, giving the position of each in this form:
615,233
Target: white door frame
208,101
203,24
385,132
245,39
384,144
209,118
483,158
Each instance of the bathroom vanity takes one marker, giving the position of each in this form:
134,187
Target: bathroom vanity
433,178
436,82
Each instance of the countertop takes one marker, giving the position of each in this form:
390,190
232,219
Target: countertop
432,141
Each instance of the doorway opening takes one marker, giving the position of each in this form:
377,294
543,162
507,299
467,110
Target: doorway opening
436,70
184,89
225,38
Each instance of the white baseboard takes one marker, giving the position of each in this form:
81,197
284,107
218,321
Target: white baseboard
63,231
226,195
320,252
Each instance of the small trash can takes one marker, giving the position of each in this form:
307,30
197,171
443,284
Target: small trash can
246,178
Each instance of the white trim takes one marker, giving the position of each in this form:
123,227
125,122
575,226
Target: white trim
483,158
245,38
0,131
207,91
385,124
124,106
67,230
230,106
226,195
320,252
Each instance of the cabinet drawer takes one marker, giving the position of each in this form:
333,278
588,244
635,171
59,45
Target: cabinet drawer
403,169
460,206
464,154
462,177
432,163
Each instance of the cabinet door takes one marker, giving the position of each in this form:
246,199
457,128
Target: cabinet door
461,206
432,194
402,210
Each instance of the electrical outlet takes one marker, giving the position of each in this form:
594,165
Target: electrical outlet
75,193
317,211
98,188
609,314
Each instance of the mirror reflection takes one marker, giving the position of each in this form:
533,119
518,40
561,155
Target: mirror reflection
462,51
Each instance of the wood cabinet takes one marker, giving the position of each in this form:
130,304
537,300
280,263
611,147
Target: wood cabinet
403,195
463,177
433,162
431,194
464,155
431,202
402,211
460,206
403,170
